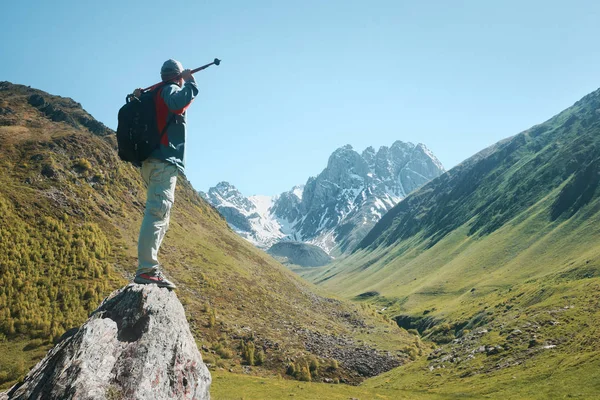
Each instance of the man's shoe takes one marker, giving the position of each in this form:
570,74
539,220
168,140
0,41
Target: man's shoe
157,278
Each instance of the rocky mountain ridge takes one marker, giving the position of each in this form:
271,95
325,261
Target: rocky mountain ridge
335,209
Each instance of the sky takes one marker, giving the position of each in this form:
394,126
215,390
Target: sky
299,79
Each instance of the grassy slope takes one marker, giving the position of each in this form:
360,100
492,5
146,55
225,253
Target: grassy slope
562,361
575,379
61,182
501,242
526,249
243,387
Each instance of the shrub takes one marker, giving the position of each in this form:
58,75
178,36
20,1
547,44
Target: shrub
208,359
223,351
304,374
248,351
291,369
443,338
212,319
260,358
411,351
334,365
314,365
83,164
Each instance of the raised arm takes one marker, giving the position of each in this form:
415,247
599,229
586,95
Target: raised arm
178,99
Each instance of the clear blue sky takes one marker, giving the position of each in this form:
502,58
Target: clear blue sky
302,78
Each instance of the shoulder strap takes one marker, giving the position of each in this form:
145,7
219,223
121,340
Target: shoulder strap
170,120
165,128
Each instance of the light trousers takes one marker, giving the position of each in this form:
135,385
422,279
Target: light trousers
161,178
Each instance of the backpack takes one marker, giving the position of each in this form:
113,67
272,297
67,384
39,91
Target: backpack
137,130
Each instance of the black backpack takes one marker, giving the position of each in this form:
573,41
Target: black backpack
137,131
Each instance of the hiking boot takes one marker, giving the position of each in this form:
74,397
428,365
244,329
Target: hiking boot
158,278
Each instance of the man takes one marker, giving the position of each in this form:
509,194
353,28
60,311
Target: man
161,168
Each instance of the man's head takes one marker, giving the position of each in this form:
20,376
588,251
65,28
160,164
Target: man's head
170,69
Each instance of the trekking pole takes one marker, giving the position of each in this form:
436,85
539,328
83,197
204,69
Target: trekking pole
216,62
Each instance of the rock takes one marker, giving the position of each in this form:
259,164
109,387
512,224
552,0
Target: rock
6,111
514,334
36,100
136,345
491,350
94,126
48,171
362,360
52,111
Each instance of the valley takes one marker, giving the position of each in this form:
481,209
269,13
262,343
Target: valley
483,283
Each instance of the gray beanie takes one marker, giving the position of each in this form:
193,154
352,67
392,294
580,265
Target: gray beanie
170,69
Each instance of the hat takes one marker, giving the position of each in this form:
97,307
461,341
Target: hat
170,69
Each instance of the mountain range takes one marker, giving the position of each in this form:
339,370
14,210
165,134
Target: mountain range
71,211
335,209
483,283
497,261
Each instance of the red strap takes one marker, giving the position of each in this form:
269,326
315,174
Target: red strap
162,112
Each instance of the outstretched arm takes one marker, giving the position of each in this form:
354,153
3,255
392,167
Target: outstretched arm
178,99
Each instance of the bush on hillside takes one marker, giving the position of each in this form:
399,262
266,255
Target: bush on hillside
248,352
304,374
83,164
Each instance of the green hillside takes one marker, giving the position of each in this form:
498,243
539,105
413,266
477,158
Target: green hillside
498,262
71,211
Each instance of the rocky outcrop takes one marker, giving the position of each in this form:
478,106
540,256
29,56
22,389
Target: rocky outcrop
363,361
136,345
52,108
63,113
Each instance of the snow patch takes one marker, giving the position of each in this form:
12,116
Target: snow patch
297,191
262,203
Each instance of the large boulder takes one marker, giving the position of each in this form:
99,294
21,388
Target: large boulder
136,345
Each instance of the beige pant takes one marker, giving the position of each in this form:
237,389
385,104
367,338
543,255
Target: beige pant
161,178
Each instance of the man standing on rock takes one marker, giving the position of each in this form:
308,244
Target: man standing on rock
160,170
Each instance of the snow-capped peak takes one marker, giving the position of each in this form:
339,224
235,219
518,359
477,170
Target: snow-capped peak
331,209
